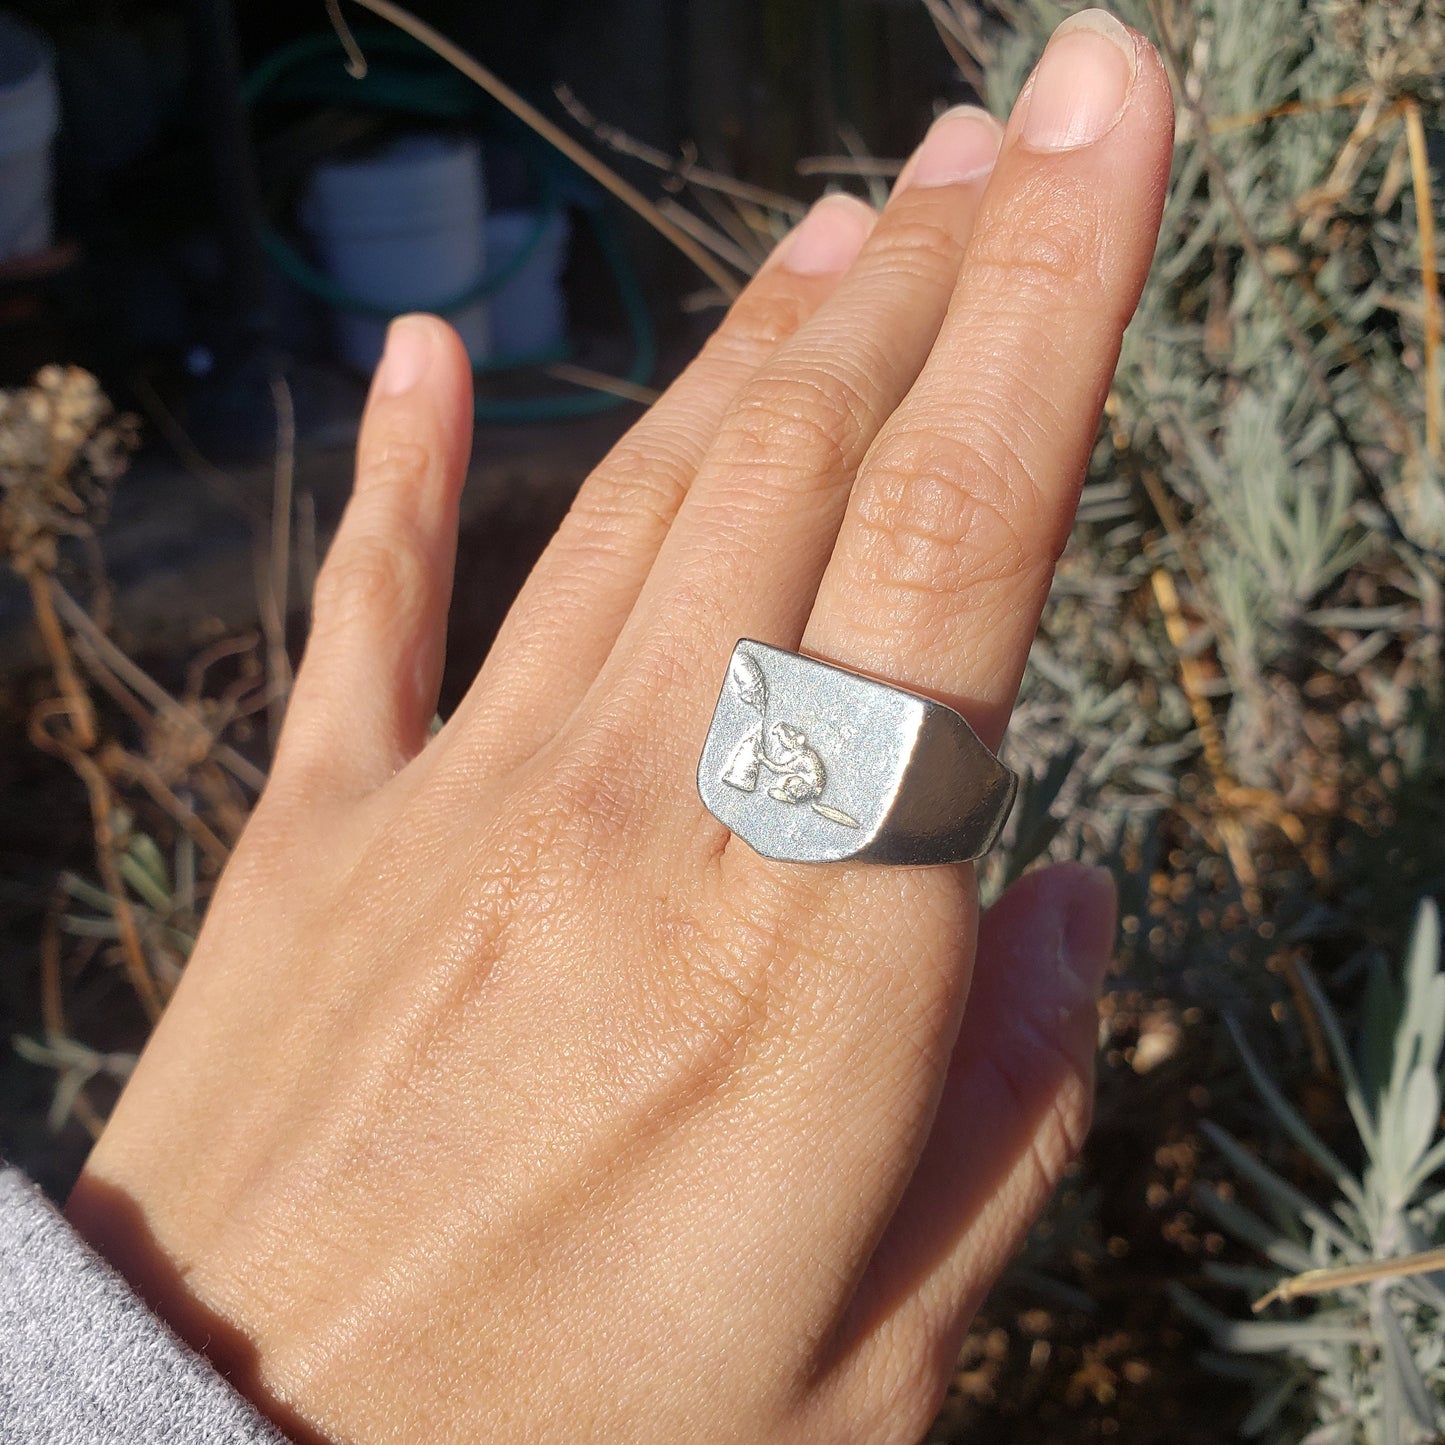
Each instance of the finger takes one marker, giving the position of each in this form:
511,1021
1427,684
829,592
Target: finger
946,555
367,688
567,617
1014,1111
750,541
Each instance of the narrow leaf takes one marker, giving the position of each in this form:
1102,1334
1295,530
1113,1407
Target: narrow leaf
1340,1051
1292,1123
1283,1194
1249,1228
1400,1362
1270,1406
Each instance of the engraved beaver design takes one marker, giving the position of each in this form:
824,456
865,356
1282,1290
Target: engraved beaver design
798,768
783,750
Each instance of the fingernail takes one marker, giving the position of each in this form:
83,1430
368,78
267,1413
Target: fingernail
961,145
827,240
406,356
1078,90
1090,921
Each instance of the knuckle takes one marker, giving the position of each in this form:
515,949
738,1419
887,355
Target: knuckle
718,1001
759,322
371,577
1051,250
587,797
734,985
393,462
642,478
521,864
923,245
939,517
803,423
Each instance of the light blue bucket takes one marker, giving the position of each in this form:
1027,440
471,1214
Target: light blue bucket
405,222
29,118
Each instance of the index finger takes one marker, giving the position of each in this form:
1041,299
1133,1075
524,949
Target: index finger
965,500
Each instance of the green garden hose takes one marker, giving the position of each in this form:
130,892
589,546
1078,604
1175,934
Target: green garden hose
296,73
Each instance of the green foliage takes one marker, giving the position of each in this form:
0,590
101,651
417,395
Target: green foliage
1371,1358
1274,385
162,901
1267,447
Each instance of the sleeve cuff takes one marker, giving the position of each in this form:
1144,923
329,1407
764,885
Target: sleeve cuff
83,1361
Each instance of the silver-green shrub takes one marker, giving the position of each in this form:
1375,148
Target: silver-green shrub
1357,1363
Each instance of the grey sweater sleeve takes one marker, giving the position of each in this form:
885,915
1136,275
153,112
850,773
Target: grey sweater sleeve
83,1361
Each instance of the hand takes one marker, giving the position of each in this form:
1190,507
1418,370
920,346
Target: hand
505,1097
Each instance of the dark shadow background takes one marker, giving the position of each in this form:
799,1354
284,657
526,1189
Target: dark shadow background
167,171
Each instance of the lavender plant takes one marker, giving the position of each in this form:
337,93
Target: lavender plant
1273,439
1370,1359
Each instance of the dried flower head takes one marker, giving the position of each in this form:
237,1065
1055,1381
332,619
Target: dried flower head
62,446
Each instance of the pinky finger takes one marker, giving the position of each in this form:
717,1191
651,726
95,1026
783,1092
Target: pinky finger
1014,1111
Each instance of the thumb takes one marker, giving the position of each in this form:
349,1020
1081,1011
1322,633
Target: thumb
1043,949
1014,1108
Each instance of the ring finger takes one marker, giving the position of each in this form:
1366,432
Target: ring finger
558,632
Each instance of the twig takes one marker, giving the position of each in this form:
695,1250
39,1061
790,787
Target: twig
189,454
102,806
1192,563
274,597
579,155
1323,1281
1429,281
43,588
600,381
707,235
962,48
751,240
1348,99
356,66
112,686
1317,203
218,651
149,689
1299,342
853,142
1231,830
681,170
137,769
868,166
1193,681
52,994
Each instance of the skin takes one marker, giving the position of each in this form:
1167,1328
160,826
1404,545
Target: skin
506,1097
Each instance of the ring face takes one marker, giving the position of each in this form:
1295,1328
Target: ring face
811,763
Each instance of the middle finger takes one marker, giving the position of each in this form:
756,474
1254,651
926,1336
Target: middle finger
752,537
945,558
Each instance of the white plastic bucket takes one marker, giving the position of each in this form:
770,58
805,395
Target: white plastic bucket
29,118
402,228
529,313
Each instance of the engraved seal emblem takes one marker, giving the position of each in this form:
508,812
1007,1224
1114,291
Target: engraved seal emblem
809,762
775,756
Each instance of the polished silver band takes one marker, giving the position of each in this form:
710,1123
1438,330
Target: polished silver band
807,762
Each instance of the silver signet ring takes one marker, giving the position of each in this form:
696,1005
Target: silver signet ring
807,762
